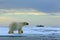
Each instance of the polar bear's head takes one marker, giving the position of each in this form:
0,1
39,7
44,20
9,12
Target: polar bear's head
25,23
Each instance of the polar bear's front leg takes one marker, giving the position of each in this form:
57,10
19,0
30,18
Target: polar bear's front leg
20,31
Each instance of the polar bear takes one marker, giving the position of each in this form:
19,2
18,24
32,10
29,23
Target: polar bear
16,25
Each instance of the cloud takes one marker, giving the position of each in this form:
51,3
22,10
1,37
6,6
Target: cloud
5,19
16,14
9,15
24,11
55,14
20,12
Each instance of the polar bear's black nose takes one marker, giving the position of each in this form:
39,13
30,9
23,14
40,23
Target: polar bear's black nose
27,23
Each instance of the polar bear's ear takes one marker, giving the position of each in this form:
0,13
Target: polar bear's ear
25,23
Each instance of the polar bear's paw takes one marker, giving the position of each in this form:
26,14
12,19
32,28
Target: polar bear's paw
10,32
20,32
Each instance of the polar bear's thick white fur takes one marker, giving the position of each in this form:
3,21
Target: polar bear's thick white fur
16,25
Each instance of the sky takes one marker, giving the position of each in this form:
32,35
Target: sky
46,12
40,5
